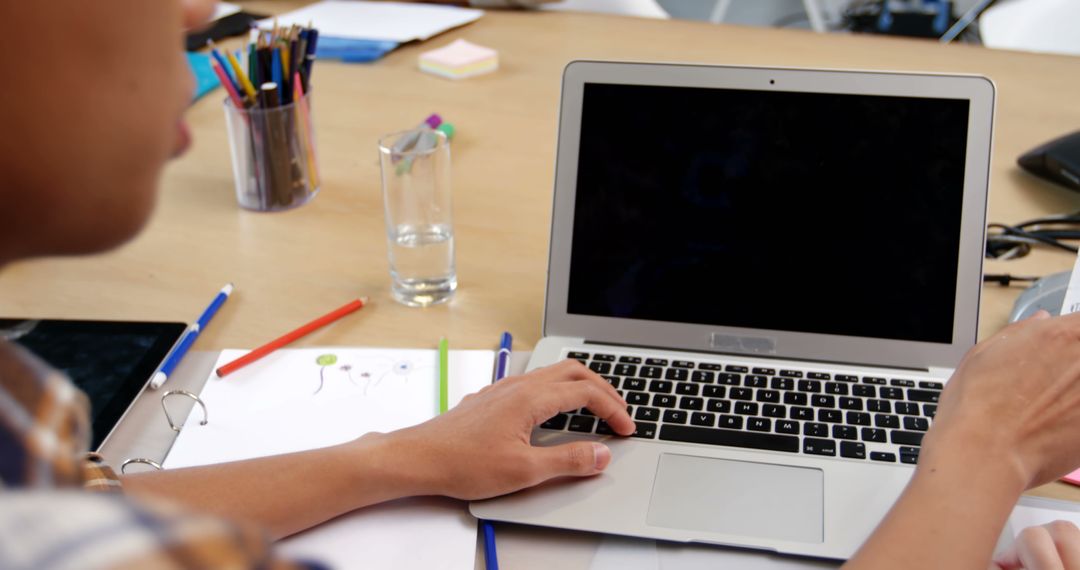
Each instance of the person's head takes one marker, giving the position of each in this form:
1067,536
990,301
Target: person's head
90,112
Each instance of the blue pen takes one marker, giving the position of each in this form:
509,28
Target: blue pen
502,367
275,73
190,335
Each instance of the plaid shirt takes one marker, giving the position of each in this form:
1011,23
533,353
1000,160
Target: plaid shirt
49,520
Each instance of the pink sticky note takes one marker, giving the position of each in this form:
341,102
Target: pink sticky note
1073,478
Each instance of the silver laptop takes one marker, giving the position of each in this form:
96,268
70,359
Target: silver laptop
779,269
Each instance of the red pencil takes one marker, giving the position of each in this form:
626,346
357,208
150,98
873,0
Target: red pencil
227,83
290,337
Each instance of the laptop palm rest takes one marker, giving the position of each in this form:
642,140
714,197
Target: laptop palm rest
738,498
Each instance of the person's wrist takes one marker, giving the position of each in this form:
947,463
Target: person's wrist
396,462
979,451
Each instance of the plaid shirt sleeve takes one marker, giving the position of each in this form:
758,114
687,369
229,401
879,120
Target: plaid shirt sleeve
48,520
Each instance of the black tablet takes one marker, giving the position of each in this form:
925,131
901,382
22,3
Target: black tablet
109,360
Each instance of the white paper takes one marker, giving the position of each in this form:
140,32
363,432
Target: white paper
294,400
1071,303
223,9
1024,516
391,21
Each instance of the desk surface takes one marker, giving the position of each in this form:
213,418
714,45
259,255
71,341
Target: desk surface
292,266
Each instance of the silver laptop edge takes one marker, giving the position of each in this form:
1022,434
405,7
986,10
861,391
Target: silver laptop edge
842,500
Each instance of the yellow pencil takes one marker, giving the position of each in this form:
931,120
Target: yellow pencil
249,89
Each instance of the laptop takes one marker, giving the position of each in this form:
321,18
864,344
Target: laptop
779,269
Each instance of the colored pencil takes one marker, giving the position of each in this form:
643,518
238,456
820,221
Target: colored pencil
444,372
290,337
227,83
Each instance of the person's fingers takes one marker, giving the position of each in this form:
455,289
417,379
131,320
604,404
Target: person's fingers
566,396
574,371
1066,538
1036,551
579,459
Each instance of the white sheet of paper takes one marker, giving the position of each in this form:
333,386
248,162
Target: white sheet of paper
288,402
393,21
1024,516
224,9
1071,304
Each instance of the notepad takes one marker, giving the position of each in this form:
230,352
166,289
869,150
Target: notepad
299,399
459,60
387,21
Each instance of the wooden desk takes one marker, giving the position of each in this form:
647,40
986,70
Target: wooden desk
290,267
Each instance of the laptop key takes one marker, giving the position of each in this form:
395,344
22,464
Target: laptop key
846,378
858,418
873,434
558,422
852,449
929,410
891,393
676,374
851,404
902,383
814,446
687,389
600,367
796,399
791,373
886,421
746,408
910,458
864,391
874,380
923,395
719,406
578,355
916,424
583,424
710,366
630,359
882,456
809,386
637,398
931,385
837,388
613,380
831,416
765,371
729,379
783,384
650,372
755,381
604,357
881,406
663,400
731,438
648,414
787,426
802,413
741,394
734,368
907,408
625,370
691,403
906,437
731,422
656,361
773,411
759,424
822,401
703,419
815,429
714,391
768,396
660,386
675,416
844,432
585,412
602,428
818,375
702,376
635,384
682,364
645,430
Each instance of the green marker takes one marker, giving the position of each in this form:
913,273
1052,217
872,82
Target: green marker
444,366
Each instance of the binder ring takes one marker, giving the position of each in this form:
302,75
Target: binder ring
172,424
150,462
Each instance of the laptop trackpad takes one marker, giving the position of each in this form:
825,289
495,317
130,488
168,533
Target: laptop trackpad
778,502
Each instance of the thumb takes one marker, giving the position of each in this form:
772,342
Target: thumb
580,458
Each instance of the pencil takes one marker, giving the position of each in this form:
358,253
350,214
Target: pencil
290,337
227,83
241,77
444,383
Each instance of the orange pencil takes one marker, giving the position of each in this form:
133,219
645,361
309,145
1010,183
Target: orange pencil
290,337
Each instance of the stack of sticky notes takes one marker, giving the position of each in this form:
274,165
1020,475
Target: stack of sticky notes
459,60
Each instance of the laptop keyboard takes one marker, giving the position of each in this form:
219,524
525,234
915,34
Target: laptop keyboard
816,413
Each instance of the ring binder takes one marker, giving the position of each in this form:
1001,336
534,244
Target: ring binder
150,462
199,401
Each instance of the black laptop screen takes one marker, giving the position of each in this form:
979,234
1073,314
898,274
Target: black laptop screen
818,213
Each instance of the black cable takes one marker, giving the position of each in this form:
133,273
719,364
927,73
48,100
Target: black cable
1006,279
1005,241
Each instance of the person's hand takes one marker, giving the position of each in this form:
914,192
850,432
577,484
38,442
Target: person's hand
1052,546
1016,399
481,448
